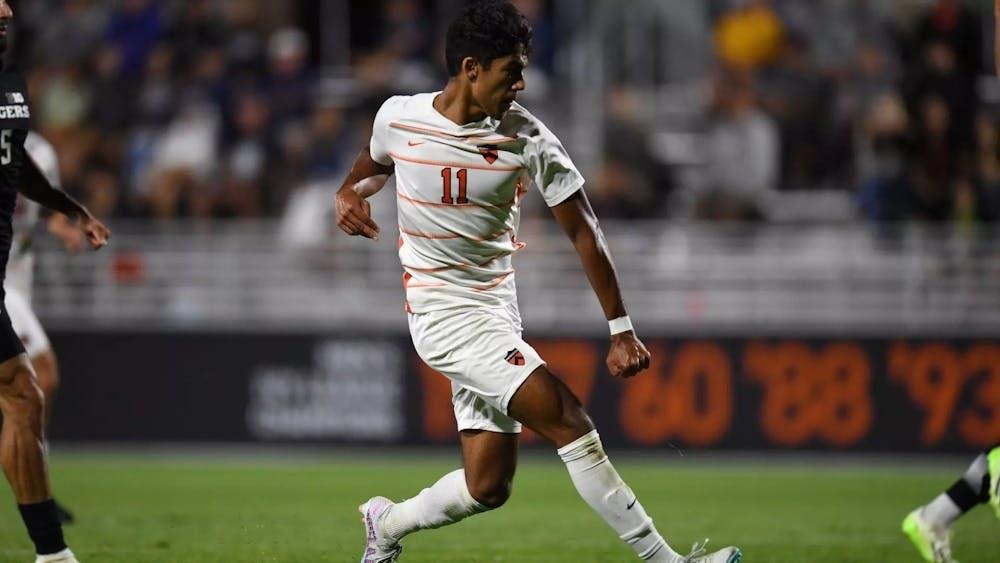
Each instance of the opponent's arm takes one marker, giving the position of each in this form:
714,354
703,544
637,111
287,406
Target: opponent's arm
36,187
364,180
628,356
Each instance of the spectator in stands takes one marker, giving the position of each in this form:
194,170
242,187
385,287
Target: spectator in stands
987,176
135,28
183,162
743,149
630,183
291,84
934,166
797,96
947,61
243,182
748,35
885,193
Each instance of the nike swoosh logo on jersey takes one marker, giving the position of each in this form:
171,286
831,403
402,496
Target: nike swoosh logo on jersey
415,143
631,504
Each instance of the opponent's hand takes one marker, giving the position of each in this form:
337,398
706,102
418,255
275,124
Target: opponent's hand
95,231
63,229
628,356
354,215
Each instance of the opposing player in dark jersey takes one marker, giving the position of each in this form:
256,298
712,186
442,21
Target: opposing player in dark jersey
22,437
929,526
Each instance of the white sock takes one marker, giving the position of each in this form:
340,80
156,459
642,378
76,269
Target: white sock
599,484
969,491
443,503
942,511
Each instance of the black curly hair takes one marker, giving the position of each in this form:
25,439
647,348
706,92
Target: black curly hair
486,30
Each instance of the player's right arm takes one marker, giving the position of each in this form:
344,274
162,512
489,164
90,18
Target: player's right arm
35,186
364,180
368,175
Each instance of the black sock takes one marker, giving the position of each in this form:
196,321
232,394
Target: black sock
43,526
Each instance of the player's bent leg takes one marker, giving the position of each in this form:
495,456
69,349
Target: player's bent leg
929,527
489,460
22,455
22,437
546,405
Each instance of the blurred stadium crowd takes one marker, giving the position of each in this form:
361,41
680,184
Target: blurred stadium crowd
223,108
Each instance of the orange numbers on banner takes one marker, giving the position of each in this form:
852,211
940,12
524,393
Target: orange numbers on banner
690,397
823,394
935,375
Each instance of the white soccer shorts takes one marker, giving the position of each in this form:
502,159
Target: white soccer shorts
26,324
481,351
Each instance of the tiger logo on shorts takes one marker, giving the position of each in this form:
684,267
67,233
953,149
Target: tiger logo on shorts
515,357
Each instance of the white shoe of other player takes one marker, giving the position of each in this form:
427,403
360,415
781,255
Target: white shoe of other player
64,556
378,548
725,555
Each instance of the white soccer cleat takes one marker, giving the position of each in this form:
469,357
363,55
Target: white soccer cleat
378,548
728,554
933,542
64,556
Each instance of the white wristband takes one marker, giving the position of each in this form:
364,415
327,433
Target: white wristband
619,325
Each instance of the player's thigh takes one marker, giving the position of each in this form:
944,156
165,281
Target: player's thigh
480,350
546,405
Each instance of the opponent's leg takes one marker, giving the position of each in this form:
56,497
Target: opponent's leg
544,404
484,483
22,455
47,373
929,526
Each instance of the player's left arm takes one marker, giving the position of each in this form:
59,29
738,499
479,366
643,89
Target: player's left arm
35,186
628,356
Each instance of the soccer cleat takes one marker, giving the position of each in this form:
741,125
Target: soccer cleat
64,556
993,465
933,542
728,554
378,548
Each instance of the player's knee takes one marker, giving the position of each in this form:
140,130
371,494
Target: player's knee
22,400
573,423
492,493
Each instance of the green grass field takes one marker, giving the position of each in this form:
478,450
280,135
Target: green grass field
150,510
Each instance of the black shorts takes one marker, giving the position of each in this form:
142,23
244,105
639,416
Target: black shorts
10,344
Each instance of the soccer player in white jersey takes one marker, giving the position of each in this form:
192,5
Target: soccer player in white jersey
463,160
20,275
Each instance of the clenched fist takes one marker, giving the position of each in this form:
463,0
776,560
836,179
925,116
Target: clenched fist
628,356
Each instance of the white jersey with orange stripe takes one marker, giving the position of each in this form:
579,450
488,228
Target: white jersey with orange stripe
21,266
459,190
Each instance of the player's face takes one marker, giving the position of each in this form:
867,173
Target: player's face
6,15
496,88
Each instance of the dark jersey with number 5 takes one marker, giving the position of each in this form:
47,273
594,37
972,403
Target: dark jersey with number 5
14,121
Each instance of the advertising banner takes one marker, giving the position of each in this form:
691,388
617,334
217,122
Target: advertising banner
868,394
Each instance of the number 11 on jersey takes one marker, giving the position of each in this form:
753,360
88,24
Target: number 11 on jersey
463,177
